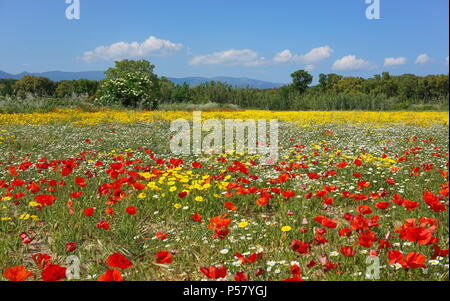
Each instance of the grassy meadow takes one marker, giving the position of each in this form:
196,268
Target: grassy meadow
104,186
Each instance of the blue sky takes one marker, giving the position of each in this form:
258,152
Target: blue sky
259,39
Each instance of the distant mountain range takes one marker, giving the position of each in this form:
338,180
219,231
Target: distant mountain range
241,82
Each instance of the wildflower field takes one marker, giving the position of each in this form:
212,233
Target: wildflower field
353,196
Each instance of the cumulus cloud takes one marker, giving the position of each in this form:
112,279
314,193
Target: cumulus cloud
244,57
314,56
422,59
392,61
121,50
446,60
351,62
317,55
283,56
248,57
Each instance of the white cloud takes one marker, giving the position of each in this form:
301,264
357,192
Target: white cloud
351,62
121,50
446,60
283,56
392,61
315,55
422,59
244,57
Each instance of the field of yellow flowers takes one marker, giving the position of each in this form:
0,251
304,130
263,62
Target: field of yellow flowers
99,196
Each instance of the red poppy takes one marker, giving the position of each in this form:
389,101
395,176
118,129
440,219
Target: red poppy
110,211
139,186
240,276
262,201
117,260
364,209
313,176
384,244
196,165
71,246
88,211
131,210
220,225
249,259
382,205
347,251
343,164
163,257
326,222
196,217
410,205
45,199
396,256
18,273
345,232
390,181
230,206
288,194
433,201
41,259
214,272
311,264
26,239
111,275
366,238
415,260
161,235
76,195
80,182
295,271
53,272
103,225
300,247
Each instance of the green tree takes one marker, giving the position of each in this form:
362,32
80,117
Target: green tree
182,93
34,85
84,87
131,83
301,79
7,86
64,89
166,88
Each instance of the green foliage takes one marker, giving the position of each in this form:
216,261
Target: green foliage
77,88
301,79
6,87
132,84
34,85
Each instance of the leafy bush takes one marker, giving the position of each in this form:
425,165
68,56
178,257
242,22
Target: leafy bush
131,84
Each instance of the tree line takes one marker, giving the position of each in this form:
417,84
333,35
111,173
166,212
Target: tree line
134,84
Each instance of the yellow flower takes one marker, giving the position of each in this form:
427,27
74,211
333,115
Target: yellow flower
5,219
24,216
142,195
243,224
173,188
199,199
286,228
34,204
178,206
